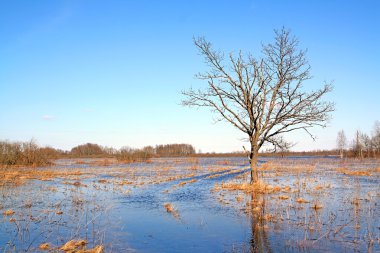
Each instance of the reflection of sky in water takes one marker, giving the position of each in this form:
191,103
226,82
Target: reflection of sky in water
104,213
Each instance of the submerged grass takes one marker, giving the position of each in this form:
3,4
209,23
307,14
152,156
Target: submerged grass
170,209
258,187
299,197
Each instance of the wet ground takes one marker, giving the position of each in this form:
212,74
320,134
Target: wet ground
193,205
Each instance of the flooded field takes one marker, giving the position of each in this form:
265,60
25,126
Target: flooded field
192,205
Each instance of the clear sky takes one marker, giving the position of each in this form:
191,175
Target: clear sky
111,72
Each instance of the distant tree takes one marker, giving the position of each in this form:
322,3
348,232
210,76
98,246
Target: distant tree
366,144
127,154
88,149
110,151
357,145
376,138
22,153
175,150
51,153
149,150
262,97
341,142
283,148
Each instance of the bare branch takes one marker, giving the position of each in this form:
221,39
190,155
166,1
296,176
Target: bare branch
264,96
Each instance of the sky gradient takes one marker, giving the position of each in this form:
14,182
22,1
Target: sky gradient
112,72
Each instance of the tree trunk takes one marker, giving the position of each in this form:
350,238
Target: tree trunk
253,162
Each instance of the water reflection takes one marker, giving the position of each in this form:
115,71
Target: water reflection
259,239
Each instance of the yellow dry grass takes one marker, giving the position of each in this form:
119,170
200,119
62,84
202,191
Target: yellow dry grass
73,245
124,182
316,206
97,249
266,166
170,209
187,182
302,200
44,246
8,212
239,198
346,171
79,246
258,187
318,187
18,176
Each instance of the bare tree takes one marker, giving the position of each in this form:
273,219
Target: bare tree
357,145
262,97
366,143
341,142
376,138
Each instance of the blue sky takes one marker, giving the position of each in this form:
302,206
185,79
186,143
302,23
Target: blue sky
111,72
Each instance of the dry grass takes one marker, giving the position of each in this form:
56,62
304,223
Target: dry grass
97,249
124,182
187,182
318,187
79,246
73,245
18,176
304,188
76,183
194,161
44,246
266,166
316,206
8,212
224,162
258,187
285,166
170,209
346,171
302,200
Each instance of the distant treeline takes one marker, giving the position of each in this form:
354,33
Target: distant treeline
95,150
362,145
30,154
275,154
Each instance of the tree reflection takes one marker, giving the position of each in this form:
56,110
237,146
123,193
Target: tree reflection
259,240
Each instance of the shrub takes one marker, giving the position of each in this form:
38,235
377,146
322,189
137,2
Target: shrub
22,153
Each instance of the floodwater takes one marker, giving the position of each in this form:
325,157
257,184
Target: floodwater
185,205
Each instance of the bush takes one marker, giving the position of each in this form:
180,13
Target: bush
22,153
133,155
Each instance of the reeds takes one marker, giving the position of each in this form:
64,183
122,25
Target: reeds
346,171
258,187
170,209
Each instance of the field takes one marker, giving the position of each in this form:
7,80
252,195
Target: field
192,205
